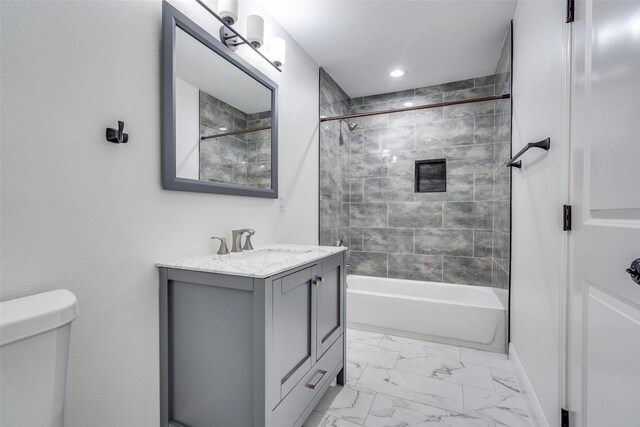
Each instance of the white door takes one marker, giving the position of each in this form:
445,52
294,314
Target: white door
604,305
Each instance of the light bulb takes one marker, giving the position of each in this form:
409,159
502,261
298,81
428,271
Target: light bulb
228,11
255,30
397,73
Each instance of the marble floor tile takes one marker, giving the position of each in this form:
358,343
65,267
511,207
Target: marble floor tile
487,359
346,403
477,376
371,355
410,386
320,419
433,363
390,411
363,337
505,382
354,371
497,407
427,362
397,381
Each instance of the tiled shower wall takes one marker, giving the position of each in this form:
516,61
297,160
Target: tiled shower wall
392,231
442,237
335,140
243,159
501,254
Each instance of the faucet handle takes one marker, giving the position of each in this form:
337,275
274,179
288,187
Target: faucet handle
224,250
247,242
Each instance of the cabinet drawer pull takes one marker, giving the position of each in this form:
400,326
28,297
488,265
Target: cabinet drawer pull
318,280
314,385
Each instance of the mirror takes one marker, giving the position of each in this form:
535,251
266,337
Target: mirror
219,116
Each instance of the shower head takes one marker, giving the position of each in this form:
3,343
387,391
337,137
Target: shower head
350,125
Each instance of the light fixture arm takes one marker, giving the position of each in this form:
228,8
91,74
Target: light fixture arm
229,36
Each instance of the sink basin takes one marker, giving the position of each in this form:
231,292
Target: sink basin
271,255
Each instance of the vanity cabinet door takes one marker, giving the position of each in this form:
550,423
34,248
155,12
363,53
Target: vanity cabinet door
330,316
294,327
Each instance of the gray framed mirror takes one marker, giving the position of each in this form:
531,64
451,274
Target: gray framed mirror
219,113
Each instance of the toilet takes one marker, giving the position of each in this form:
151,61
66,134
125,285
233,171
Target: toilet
34,350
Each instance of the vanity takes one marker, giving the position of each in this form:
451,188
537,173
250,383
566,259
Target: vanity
251,339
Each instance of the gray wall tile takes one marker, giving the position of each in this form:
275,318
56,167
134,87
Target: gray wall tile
357,193
444,242
467,271
396,139
397,240
483,243
483,186
394,189
467,215
484,129
415,215
368,215
355,238
368,263
369,165
445,133
477,92
415,267
415,117
485,80
472,109
470,158
459,188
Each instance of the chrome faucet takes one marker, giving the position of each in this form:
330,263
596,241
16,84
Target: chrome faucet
224,250
237,239
247,242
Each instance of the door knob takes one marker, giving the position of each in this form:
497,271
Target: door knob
634,271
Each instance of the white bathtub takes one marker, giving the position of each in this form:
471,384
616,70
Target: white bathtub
471,316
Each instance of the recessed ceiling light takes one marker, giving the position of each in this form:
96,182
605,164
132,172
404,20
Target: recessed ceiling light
396,73
408,104
223,129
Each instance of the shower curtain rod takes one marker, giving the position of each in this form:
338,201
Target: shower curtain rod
417,107
236,132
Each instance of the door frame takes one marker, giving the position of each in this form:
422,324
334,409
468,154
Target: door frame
565,278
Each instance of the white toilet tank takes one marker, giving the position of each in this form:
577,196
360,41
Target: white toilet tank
34,348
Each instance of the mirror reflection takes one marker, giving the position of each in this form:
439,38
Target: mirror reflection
223,119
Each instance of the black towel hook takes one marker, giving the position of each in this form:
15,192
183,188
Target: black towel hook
117,136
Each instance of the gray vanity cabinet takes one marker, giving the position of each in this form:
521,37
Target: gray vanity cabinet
330,305
294,315
250,352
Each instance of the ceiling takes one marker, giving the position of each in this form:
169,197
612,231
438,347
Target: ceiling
359,42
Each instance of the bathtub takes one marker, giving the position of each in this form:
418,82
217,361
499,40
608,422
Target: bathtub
470,316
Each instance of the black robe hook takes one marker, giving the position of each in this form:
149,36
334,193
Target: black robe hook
117,136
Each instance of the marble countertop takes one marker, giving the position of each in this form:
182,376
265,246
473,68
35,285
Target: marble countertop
262,262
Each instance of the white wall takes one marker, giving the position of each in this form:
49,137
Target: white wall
187,130
538,193
81,213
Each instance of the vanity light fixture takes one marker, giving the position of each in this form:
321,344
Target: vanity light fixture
278,51
397,73
231,38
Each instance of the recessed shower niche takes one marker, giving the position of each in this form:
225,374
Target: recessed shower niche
431,176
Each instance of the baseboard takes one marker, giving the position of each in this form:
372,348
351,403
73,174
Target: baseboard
525,386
